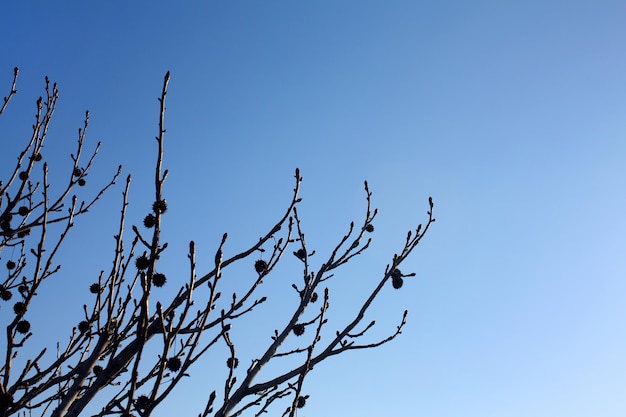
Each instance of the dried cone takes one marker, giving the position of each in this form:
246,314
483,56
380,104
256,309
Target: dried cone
142,402
5,294
260,266
159,279
149,221
397,282
396,279
83,326
142,262
174,364
301,402
19,308
6,400
300,254
23,326
298,329
232,363
159,206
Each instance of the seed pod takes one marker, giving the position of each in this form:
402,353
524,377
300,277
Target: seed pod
142,402
149,221
298,329
260,266
174,364
19,308
159,206
159,280
83,326
397,282
301,402
5,294
142,262
23,326
232,363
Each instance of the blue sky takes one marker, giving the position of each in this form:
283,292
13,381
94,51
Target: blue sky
511,115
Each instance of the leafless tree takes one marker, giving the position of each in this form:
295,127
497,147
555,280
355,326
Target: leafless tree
109,358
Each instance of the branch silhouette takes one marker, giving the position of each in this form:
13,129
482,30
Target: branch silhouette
126,353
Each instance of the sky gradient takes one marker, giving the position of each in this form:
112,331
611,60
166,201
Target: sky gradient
510,114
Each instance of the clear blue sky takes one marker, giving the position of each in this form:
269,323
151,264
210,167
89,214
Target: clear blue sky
511,114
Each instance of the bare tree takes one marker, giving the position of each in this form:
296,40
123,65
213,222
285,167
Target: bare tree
109,358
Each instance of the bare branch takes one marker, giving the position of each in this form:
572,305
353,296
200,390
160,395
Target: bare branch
130,345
